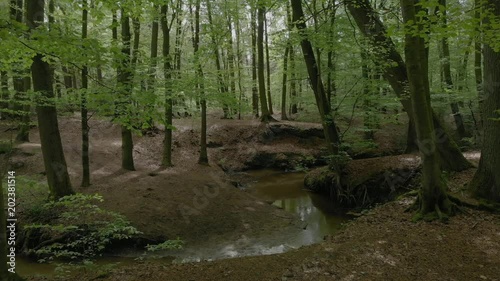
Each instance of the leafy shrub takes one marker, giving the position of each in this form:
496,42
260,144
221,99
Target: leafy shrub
79,228
167,245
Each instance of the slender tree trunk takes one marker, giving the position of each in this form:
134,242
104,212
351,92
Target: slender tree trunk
151,84
20,102
50,138
222,85
486,181
255,92
167,69
447,80
203,159
368,122
329,127
395,73
125,78
293,82
83,106
268,67
180,100
266,115
478,64
432,195
284,83
331,87
239,64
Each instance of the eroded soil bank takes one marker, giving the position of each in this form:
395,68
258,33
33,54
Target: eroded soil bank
200,203
381,245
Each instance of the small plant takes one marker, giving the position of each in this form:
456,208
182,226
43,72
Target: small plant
5,147
79,229
167,245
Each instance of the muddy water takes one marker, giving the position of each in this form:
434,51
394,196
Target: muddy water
285,190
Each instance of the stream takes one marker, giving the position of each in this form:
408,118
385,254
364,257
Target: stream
284,189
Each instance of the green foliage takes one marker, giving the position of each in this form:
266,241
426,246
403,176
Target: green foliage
167,245
79,228
5,147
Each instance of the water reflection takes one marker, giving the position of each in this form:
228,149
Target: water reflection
287,191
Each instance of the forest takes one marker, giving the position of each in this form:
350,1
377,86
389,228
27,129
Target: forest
249,140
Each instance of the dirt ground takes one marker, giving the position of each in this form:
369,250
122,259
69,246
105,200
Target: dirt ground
196,202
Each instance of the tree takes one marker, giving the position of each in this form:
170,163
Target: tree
432,195
203,159
125,80
394,69
83,106
284,83
324,108
50,138
486,181
447,81
167,70
268,67
21,82
220,78
154,62
255,91
265,113
478,63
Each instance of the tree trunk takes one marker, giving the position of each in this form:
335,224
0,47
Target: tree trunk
284,82
294,108
255,92
268,67
395,73
151,84
329,127
266,115
486,181
220,78
478,66
330,80
125,81
447,81
293,81
83,106
203,159
432,195
50,138
167,69
23,135
239,65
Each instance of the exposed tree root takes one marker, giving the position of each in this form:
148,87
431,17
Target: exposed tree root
481,205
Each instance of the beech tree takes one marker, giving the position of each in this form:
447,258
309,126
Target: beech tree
125,78
83,106
324,108
265,113
486,181
432,197
395,72
50,138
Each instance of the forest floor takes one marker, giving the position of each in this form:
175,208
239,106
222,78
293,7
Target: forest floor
200,203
